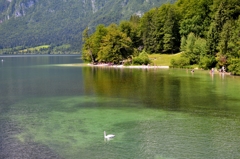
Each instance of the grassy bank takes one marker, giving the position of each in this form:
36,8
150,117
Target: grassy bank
163,59
38,48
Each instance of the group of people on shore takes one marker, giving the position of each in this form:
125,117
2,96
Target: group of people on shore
221,70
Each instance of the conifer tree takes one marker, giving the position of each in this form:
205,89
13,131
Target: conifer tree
216,28
87,47
168,32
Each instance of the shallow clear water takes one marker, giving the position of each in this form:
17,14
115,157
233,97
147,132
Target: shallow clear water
49,110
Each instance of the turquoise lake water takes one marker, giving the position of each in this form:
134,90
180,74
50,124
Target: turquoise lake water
51,110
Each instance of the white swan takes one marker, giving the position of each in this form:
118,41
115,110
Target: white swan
109,136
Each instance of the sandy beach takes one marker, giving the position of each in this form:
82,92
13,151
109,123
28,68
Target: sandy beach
113,66
122,66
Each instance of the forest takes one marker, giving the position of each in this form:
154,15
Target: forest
206,32
26,24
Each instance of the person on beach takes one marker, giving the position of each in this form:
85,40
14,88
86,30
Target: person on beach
212,70
223,69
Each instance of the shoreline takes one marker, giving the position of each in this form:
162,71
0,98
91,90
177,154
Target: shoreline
130,67
112,66
122,66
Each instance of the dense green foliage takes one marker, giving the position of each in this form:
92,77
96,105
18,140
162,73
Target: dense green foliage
206,31
141,59
111,44
29,23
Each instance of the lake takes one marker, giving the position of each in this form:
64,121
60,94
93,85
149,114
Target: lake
50,110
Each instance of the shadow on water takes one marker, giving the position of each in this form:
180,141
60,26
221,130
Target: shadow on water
171,90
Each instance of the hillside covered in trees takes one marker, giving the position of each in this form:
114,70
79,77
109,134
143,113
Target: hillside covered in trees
207,32
58,24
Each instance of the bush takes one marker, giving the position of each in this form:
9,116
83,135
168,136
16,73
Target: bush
127,63
137,61
142,59
207,62
183,61
234,66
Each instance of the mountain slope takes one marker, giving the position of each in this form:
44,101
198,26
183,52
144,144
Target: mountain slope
36,22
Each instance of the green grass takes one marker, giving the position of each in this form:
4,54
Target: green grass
163,59
36,48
